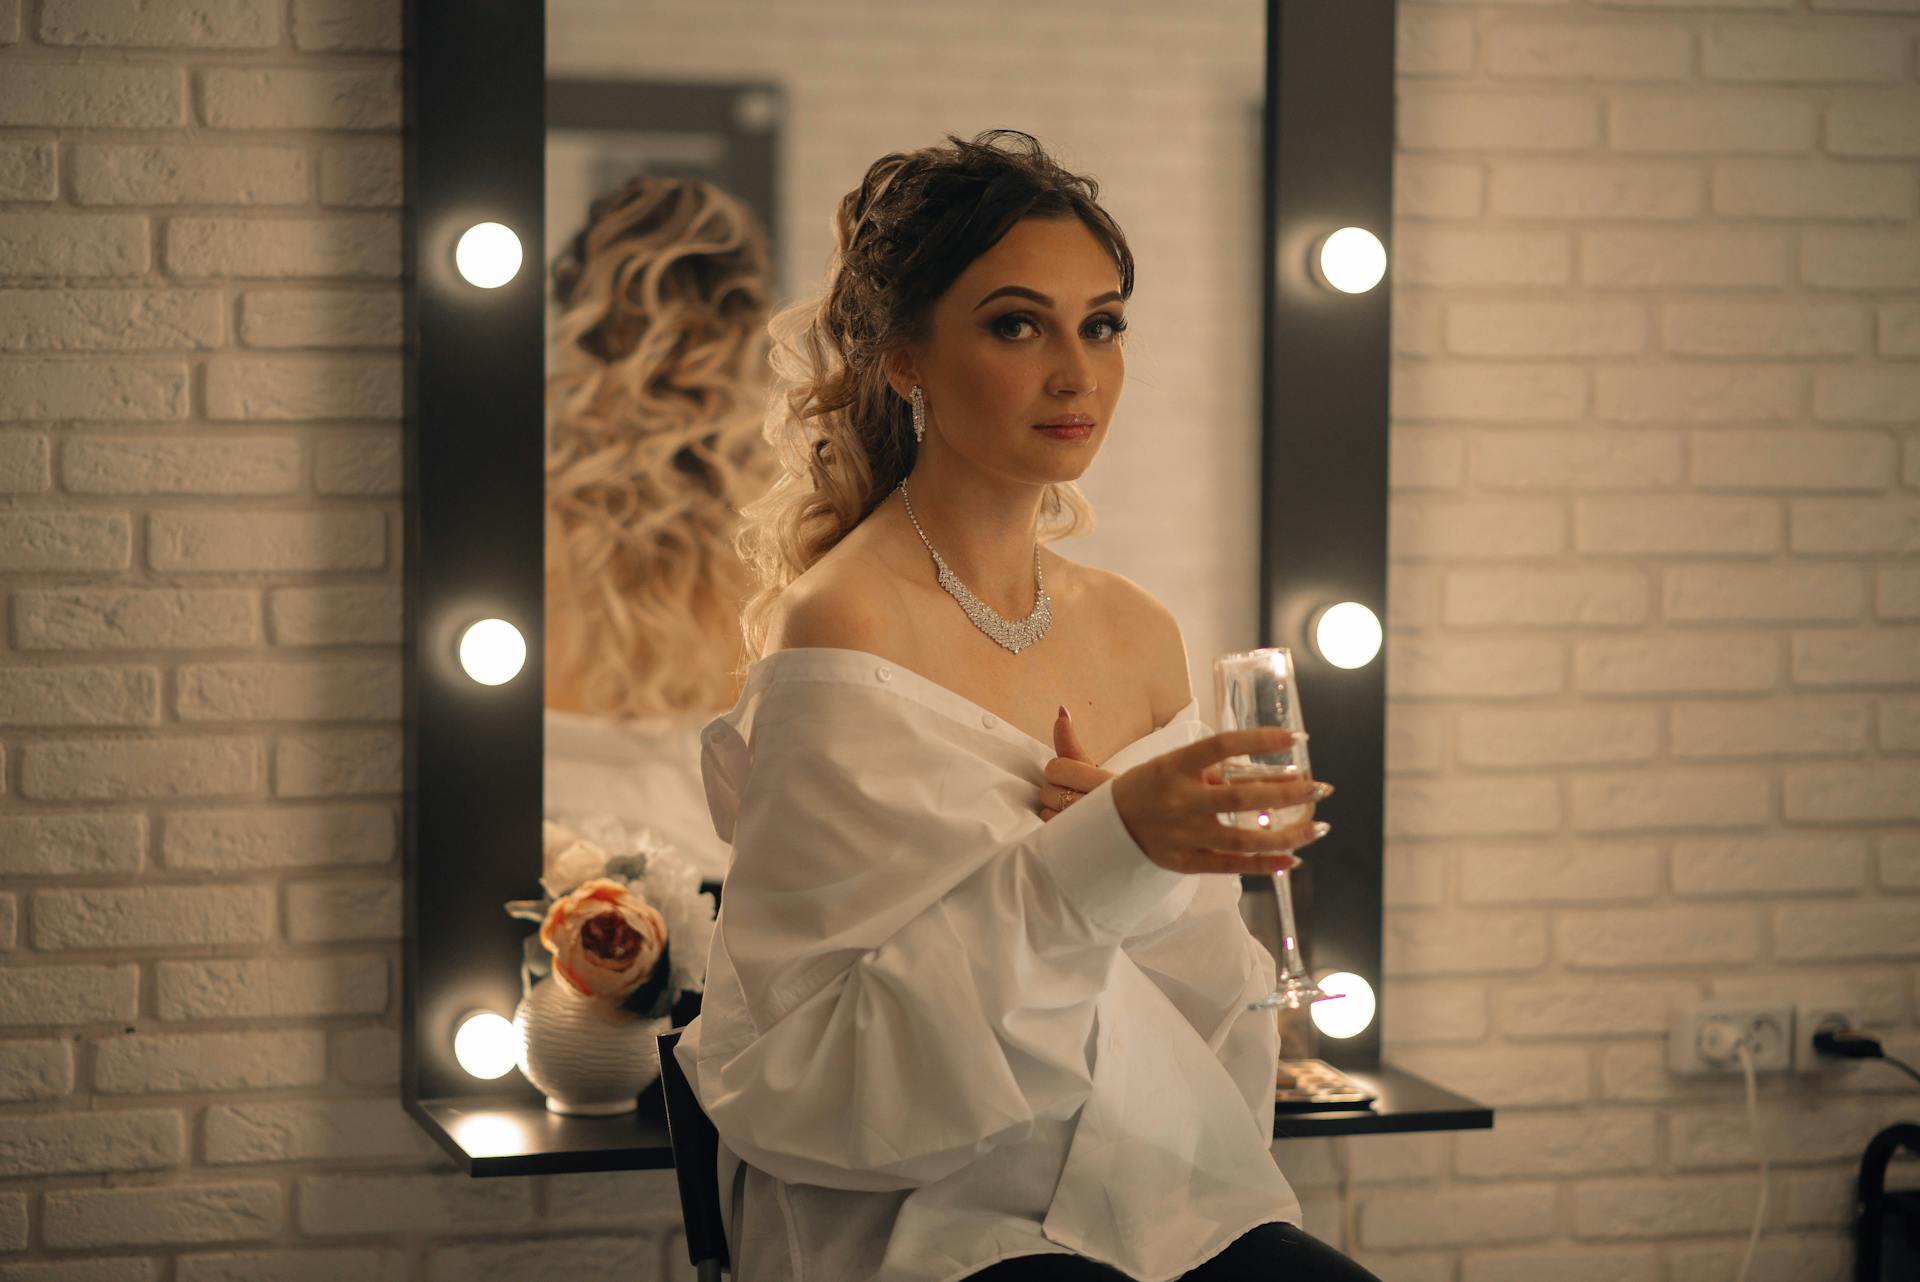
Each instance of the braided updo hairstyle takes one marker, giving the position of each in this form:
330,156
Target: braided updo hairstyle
843,437
654,410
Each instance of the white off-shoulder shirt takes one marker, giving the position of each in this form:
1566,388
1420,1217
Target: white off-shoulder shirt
938,1032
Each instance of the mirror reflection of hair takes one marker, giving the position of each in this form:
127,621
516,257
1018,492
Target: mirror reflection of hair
654,445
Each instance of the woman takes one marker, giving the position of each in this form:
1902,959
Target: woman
971,1009
654,409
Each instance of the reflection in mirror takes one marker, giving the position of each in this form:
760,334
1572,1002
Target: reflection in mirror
696,156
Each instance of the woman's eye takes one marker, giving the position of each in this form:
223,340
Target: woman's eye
1105,327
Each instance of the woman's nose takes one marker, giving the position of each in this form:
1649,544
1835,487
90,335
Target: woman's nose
1073,375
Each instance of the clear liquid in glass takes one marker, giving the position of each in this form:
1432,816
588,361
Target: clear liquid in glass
1286,816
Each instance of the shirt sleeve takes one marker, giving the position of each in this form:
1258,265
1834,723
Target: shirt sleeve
910,992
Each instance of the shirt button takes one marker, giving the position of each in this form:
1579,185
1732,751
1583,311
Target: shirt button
988,720
883,672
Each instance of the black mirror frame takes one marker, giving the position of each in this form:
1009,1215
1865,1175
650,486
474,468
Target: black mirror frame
1328,144
474,151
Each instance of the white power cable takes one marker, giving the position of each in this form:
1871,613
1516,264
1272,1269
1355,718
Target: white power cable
1745,1051
1348,1236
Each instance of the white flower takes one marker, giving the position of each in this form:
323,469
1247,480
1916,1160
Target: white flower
567,859
672,885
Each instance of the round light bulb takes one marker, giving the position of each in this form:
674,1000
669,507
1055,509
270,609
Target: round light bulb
1347,1013
1352,260
1347,635
488,255
492,651
487,1045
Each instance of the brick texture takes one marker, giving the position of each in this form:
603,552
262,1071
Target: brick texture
200,630
1652,664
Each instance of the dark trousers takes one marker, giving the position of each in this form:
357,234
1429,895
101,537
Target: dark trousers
1264,1253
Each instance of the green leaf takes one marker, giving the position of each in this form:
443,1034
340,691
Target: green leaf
628,868
538,959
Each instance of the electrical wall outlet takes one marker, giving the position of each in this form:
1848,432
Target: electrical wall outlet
1809,1019
1703,1036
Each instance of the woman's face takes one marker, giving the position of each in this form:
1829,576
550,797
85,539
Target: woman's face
1029,332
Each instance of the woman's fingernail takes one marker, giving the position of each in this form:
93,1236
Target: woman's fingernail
1322,828
1065,713
1321,791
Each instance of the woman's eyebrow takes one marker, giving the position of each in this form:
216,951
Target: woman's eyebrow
1038,297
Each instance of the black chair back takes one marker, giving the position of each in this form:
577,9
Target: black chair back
1886,1226
696,1165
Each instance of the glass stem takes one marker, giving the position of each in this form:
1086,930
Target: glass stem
1289,936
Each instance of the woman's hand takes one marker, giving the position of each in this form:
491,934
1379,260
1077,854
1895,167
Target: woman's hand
1171,803
1070,775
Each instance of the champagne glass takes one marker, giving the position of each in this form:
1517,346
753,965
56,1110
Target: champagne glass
1252,689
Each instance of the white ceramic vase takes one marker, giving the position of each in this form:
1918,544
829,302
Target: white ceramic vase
582,1063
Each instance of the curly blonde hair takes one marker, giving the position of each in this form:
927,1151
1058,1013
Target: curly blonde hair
843,438
655,409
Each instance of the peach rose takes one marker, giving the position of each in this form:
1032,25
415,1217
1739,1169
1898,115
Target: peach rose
605,939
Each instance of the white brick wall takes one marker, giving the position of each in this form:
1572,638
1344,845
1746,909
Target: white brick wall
1653,657
1653,596
200,691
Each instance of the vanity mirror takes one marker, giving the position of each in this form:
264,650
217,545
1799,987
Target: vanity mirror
1244,482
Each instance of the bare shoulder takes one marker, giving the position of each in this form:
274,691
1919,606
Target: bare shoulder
840,603
1160,647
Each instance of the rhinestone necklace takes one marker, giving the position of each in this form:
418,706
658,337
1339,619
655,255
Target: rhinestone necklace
1015,636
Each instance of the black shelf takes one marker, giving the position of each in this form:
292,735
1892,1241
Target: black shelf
514,1135
1406,1103
491,1135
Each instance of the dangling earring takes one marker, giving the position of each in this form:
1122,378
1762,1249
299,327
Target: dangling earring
919,415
